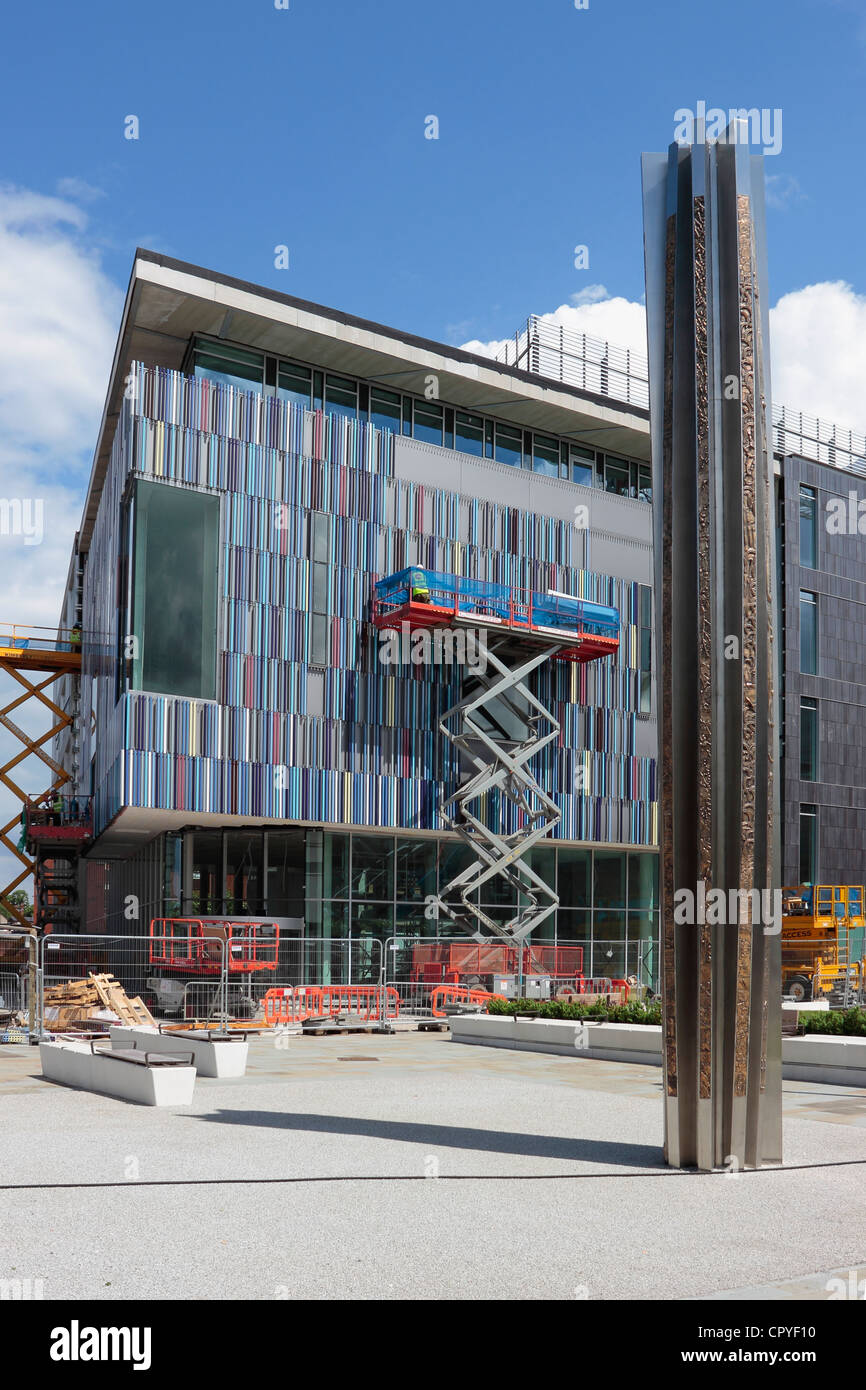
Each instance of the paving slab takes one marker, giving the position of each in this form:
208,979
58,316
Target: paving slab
419,1170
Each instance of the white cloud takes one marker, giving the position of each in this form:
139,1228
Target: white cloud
817,336
58,322
58,316
79,189
615,319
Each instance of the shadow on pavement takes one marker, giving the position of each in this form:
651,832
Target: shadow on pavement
450,1136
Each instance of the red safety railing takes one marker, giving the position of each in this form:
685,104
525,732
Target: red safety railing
443,962
196,946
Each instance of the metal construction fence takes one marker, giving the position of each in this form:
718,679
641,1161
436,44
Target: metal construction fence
18,967
200,970
189,969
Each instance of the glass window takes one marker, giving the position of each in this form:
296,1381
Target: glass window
509,446
244,872
808,740
646,647
581,464
545,455
207,874
808,844
385,409
574,926
645,483
542,861
808,528
608,946
808,633
327,864
616,476
411,921
341,396
284,885
175,590
642,880
428,422
373,867
609,879
470,434
574,883
320,536
372,920
416,870
229,366
454,858
295,384
172,875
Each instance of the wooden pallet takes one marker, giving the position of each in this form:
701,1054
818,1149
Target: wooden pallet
76,999
114,997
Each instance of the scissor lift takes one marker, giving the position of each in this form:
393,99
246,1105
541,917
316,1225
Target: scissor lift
522,631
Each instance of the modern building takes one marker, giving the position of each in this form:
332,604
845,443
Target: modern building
261,462
822,525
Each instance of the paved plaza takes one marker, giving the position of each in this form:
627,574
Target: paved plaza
417,1168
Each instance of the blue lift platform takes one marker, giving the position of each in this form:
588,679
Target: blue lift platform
499,725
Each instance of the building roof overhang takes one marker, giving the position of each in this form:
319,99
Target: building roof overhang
169,301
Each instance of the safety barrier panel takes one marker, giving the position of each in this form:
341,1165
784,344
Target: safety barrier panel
457,994
289,1004
295,1004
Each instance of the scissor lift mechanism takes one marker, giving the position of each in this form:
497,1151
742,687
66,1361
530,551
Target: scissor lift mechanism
522,632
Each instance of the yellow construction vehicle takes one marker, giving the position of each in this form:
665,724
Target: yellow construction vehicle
823,949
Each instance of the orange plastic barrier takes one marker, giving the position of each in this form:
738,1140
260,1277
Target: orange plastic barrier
457,994
294,1004
365,1000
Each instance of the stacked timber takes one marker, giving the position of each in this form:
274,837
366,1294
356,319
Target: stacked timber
83,1004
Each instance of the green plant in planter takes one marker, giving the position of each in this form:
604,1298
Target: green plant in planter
597,1012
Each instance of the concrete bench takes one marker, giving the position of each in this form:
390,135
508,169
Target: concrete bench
125,1073
219,1057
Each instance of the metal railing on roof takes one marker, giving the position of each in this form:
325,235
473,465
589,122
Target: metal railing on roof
577,359
547,349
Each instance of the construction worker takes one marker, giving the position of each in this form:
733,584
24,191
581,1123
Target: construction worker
418,589
57,809
75,639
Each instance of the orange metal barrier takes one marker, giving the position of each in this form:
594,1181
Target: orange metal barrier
294,1004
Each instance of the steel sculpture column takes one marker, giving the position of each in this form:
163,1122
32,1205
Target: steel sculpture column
714,580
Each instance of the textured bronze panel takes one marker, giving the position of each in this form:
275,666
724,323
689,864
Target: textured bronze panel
749,654
705,644
669,949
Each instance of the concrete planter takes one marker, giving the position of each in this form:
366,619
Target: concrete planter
74,1064
215,1057
612,1042
834,1061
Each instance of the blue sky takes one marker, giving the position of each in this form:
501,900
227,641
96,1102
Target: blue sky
305,127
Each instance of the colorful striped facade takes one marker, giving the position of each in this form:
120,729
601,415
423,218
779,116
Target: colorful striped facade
350,742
